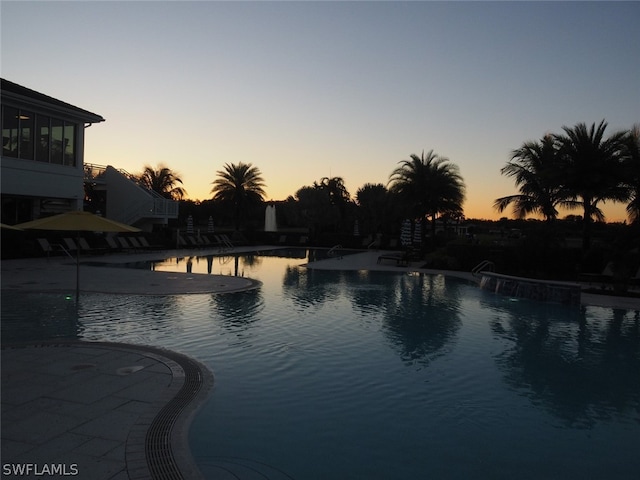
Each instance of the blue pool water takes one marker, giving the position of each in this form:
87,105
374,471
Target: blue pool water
365,375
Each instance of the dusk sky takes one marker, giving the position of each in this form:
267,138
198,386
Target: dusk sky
305,90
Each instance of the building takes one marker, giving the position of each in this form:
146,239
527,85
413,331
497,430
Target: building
43,170
42,154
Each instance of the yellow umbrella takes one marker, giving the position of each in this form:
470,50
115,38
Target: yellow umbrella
77,221
4,226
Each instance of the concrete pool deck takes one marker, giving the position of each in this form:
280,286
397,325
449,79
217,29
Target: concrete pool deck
115,411
98,411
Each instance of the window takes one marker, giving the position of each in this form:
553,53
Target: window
69,144
57,141
43,134
38,137
10,131
26,134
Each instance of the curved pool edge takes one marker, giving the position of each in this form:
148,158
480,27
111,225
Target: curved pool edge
163,436
155,445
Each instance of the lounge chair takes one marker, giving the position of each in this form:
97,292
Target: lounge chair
70,244
181,241
85,247
134,243
144,243
50,248
124,244
227,242
111,242
205,240
401,259
194,241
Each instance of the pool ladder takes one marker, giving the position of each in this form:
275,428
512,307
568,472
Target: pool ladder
332,251
485,265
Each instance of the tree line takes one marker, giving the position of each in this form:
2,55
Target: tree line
580,168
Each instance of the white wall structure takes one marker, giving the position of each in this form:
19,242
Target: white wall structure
42,153
128,202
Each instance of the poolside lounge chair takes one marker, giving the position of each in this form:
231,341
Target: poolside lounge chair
50,248
205,240
85,247
181,241
401,259
144,243
224,240
124,244
111,242
134,243
70,244
194,241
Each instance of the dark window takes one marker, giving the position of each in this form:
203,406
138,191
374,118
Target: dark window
43,141
70,144
26,134
57,141
10,132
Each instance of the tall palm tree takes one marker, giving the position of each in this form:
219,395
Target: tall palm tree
535,168
240,186
161,180
593,169
632,172
429,186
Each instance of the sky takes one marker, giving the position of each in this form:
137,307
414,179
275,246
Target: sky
305,90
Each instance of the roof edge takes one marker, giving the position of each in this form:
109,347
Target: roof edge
14,90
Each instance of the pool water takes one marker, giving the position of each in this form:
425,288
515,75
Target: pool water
378,375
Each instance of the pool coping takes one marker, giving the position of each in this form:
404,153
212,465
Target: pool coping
157,444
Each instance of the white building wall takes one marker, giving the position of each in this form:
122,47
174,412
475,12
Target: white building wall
37,179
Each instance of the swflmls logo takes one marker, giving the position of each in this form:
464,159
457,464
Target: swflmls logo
47,469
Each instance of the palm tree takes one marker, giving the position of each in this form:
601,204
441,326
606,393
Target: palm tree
161,180
336,189
535,168
592,169
632,172
240,186
429,186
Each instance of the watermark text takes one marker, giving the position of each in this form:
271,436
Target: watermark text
40,469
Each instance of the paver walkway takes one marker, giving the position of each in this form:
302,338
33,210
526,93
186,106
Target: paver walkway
98,411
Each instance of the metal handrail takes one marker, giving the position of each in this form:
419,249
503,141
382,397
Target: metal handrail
483,266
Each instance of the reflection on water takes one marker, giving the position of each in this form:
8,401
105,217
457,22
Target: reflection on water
38,317
584,367
325,374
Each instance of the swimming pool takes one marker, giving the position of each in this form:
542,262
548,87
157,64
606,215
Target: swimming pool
377,375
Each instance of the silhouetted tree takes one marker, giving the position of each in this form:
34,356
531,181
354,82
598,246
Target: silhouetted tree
429,186
536,169
373,202
239,186
161,180
632,172
315,208
335,187
592,169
